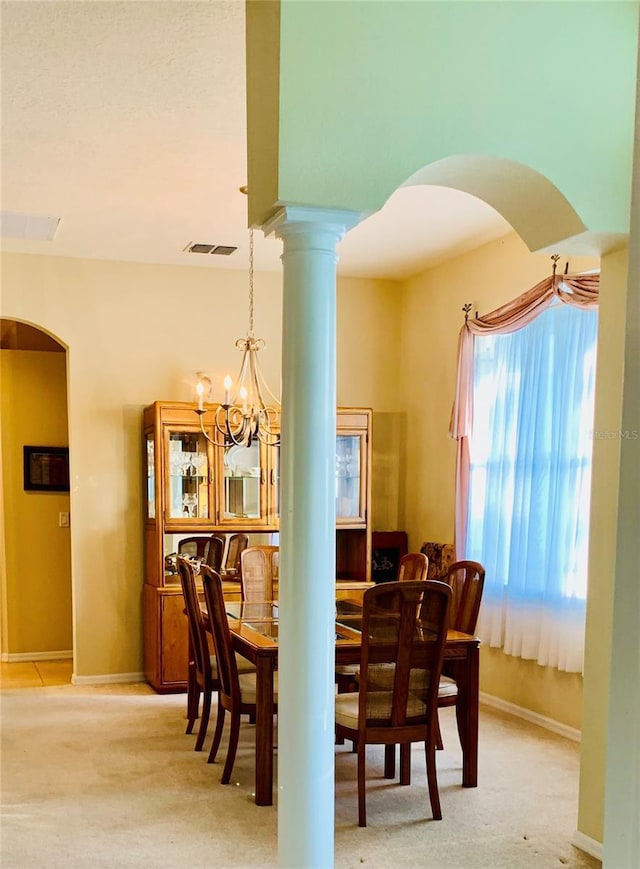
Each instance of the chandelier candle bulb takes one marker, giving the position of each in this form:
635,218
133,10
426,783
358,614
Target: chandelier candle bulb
200,394
227,387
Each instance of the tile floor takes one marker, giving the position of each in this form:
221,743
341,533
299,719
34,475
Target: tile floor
35,674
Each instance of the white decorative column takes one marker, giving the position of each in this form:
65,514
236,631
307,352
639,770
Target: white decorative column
306,657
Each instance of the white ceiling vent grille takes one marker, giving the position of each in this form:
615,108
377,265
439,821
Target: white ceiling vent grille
33,227
217,249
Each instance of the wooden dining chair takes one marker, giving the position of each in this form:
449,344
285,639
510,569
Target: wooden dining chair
413,567
202,678
194,547
215,552
466,579
237,544
256,573
400,665
237,693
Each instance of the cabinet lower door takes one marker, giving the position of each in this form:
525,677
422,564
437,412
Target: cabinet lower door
165,639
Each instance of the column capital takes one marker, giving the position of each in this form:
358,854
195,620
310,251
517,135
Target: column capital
297,219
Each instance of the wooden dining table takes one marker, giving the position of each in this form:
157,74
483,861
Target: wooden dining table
254,634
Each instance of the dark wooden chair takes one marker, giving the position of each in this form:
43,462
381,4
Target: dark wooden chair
237,544
194,547
256,573
466,579
400,665
412,568
215,552
237,693
202,676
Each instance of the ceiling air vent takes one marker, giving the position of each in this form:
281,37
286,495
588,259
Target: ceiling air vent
34,227
218,249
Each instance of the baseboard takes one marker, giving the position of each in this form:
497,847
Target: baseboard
109,679
586,843
534,717
15,657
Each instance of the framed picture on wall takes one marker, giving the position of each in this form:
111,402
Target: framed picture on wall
46,469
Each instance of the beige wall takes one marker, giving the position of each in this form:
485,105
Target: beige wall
37,550
137,333
369,348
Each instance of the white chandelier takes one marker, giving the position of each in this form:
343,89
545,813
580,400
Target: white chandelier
252,413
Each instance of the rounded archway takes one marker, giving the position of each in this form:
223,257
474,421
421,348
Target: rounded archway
35,571
536,209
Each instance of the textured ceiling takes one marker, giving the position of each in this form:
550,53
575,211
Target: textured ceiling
127,121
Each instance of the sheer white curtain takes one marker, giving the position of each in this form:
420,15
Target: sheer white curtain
529,483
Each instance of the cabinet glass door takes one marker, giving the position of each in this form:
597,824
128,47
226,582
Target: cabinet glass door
349,488
243,476
188,473
151,477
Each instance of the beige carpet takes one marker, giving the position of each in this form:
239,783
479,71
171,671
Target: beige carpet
105,777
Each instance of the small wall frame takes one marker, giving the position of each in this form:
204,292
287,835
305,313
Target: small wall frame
46,469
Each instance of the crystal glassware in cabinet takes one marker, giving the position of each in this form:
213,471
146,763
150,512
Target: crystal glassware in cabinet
188,476
348,482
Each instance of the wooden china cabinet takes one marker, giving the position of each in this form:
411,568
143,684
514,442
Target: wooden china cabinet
195,488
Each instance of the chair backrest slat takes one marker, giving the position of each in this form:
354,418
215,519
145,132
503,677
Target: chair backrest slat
215,552
237,544
466,579
225,658
197,629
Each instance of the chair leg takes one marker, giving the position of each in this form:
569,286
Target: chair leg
362,784
389,761
204,720
234,735
432,780
438,734
405,763
193,697
217,736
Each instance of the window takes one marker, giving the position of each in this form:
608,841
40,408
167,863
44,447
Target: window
529,483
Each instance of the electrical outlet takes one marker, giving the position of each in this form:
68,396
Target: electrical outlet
64,520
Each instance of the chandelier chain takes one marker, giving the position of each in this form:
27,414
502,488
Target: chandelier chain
245,416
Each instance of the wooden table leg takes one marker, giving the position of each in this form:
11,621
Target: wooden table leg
264,730
389,761
467,717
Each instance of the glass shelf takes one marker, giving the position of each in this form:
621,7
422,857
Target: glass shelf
188,476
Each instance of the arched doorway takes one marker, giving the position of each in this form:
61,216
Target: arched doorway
35,570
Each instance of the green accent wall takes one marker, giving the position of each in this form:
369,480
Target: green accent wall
371,92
